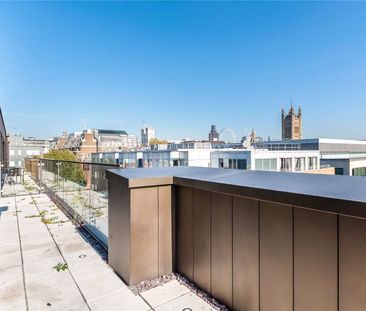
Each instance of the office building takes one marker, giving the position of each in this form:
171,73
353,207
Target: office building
21,148
266,160
346,156
83,144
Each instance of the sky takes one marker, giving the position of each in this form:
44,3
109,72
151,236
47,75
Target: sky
182,66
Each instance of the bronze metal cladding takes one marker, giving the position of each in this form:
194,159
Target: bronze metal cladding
276,264
184,231
119,228
245,254
221,247
255,241
202,238
144,234
352,264
165,230
315,260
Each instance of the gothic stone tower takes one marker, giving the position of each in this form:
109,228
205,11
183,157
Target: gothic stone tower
291,124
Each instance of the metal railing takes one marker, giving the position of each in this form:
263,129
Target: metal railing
79,187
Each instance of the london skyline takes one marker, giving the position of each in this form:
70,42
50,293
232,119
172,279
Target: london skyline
182,67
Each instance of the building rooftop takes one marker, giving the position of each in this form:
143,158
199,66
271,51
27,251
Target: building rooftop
112,132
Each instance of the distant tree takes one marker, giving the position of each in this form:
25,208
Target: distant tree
156,141
69,170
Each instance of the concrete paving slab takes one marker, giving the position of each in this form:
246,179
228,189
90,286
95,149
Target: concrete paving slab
12,260
46,252
11,291
68,237
59,297
41,266
9,274
188,301
36,283
16,305
74,247
35,236
90,269
165,293
100,285
83,256
119,300
9,249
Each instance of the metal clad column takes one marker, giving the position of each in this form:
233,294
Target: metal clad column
144,234
119,228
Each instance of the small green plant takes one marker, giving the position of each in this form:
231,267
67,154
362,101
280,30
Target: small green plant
97,212
61,267
49,221
32,216
28,187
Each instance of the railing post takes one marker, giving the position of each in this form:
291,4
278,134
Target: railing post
40,165
90,179
58,176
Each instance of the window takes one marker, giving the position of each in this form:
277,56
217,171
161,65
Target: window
359,171
11,152
32,152
259,164
312,163
232,163
19,152
286,164
300,164
339,171
242,164
266,164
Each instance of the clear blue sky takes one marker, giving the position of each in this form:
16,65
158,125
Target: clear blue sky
182,66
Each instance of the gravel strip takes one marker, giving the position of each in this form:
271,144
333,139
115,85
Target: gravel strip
161,280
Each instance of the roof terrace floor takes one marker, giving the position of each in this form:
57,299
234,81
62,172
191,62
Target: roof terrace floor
35,237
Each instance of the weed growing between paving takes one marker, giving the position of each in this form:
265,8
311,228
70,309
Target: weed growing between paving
61,267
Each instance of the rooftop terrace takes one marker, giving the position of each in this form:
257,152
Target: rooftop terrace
36,239
176,237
